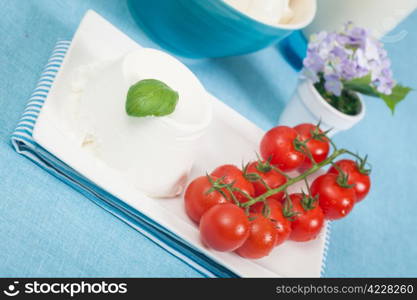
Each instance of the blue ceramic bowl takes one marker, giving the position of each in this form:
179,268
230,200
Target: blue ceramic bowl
211,28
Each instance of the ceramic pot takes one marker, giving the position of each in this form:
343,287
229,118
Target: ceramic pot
308,106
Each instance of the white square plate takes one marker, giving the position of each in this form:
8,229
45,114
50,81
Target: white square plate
97,40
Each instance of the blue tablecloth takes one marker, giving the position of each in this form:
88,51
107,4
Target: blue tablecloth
48,229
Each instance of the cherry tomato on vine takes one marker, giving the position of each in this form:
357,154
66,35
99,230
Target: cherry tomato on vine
308,219
200,196
317,143
276,214
335,197
232,174
278,146
357,175
261,240
224,227
266,175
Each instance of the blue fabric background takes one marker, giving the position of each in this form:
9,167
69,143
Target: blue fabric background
48,229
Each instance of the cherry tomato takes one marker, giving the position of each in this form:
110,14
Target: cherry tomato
277,145
224,227
232,174
269,176
282,224
319,148
335,200
199,198
360,178
308,220
261,240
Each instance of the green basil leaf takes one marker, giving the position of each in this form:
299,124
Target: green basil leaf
150,97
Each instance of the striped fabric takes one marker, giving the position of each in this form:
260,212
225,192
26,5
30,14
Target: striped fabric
24,129
24,144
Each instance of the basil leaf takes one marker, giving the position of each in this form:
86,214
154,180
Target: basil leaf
150,97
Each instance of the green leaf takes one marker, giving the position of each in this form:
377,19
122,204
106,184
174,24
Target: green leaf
150,97
361,85
399,92
365,80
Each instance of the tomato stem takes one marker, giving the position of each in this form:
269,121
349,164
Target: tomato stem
288,177
287,209
298,178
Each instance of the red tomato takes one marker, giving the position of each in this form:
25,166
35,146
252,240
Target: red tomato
335,200
198,199
277,145
282,224
261,240
360,178
224,227
232,174
319,148
308,220
269,176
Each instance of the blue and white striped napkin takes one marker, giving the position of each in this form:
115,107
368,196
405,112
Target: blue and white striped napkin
23,132
24,144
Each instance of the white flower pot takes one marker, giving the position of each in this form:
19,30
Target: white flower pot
308,106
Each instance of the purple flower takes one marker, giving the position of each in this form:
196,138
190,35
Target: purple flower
384,83
347,55
333,84
349,70
314,62
354,37
362,63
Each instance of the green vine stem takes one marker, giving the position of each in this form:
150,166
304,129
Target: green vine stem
298,178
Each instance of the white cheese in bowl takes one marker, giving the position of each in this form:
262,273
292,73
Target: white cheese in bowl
271,12
153,153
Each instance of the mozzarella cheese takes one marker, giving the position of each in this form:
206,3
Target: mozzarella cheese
155,154
271,12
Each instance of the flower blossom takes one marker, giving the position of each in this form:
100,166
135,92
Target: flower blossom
343,56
